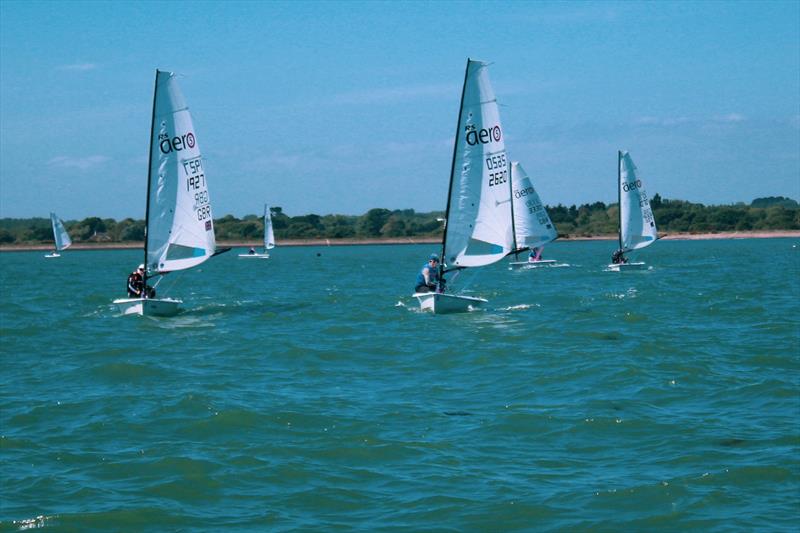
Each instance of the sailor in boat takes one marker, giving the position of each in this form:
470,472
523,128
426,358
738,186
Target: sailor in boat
136,284
618,258
428,277
535,255
251,251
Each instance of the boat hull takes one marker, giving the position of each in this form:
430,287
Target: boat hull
148,306
51,256
624,267
253,256
532,264
439,303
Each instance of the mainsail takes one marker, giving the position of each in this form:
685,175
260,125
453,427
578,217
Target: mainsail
180,228
479,223
60,234
532,226
637,227
269,236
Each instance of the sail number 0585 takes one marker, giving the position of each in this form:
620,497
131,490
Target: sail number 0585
498,163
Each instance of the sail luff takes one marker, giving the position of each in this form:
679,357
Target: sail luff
443,257
149,181
619,196
511,193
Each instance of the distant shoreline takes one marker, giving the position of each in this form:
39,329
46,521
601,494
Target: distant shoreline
402,240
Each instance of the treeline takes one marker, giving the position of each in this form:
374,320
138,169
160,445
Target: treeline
772,213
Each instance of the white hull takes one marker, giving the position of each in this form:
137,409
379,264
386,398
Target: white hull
254,256
54,254
622,267
148,306
533,264
440,303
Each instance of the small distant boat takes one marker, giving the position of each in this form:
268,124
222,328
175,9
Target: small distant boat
269,238
532,225
178,220
637,226
478,220
60,236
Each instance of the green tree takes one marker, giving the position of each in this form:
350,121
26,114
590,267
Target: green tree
370,224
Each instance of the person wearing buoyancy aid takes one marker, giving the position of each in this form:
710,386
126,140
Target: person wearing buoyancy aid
428,276
136,284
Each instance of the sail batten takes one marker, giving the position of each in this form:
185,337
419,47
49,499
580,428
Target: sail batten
180,227
637,224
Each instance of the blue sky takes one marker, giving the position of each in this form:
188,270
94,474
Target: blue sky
338,107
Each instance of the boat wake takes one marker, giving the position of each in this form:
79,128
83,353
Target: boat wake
519,307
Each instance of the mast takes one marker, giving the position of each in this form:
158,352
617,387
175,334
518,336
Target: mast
511,200
55,237
619,195
149,172
452,171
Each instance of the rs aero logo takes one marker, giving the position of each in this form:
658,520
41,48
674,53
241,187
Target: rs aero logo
632,186
483,135
175,144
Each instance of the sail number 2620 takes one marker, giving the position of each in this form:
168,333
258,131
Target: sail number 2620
497,163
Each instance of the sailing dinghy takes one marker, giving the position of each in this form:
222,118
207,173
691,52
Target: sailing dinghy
637,226
269,237
478,221
178,221
532,225
60,236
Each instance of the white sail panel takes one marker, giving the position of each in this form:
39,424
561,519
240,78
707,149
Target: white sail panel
478,230
180,231
637,225
532,224
269,236
60,235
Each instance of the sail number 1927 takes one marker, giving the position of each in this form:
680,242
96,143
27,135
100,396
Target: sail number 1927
195,178
196,183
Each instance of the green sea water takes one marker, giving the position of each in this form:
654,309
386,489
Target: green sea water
307,392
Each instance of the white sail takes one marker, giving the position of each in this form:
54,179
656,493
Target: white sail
269,236
532,225
637,225
478,230
180,230
60,234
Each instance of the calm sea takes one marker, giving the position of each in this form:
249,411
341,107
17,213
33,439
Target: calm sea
306,392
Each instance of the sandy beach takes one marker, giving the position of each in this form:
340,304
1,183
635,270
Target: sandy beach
406,240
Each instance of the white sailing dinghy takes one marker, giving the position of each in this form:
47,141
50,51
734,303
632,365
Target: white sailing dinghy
478,221
637,226
60,236
269,237
179,228
532,225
